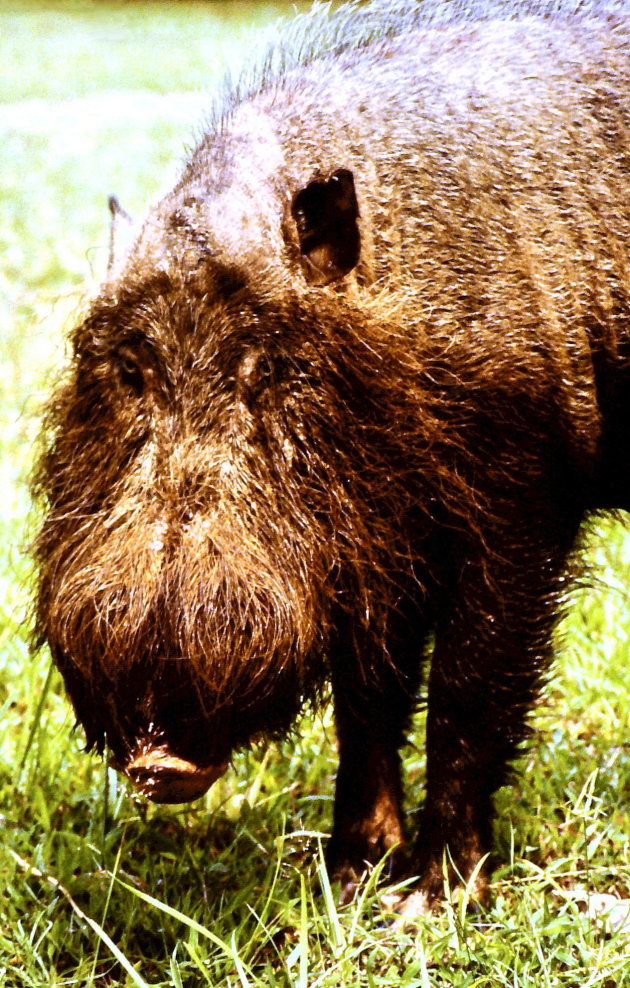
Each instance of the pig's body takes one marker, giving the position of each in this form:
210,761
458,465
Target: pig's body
357,382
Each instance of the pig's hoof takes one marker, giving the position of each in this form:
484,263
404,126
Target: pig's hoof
407,907
423,900
345,868
351,871
349,879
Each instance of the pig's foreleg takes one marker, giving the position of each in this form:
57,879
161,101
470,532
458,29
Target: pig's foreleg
373,707
491,654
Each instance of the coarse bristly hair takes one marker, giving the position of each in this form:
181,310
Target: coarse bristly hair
356,383
329,32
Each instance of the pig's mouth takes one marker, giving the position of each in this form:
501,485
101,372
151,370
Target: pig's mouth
165,778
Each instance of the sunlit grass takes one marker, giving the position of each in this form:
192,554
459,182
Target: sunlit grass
100,889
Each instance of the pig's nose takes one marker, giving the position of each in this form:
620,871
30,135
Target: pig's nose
166,778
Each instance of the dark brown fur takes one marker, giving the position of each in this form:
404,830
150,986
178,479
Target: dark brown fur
356,384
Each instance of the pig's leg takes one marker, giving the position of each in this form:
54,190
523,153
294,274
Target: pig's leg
372,713
490,656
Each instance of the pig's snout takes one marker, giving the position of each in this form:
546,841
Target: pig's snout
166,778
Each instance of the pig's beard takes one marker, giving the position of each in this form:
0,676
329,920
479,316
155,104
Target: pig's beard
244,618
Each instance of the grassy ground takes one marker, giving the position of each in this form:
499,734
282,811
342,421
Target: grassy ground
102,890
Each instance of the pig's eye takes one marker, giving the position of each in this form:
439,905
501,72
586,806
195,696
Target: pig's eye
129,372
254,374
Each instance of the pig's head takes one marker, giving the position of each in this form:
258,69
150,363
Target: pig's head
219,487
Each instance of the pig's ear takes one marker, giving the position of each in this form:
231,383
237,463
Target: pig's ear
325,214
121,234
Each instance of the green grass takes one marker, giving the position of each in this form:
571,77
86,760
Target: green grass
100,889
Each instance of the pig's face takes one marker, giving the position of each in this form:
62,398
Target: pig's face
186,579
